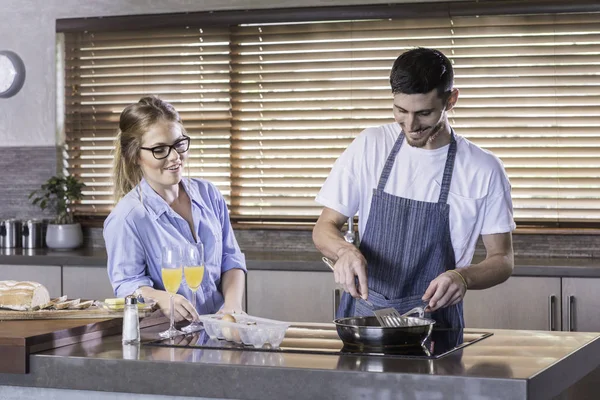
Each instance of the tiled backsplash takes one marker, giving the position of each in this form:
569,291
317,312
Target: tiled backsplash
301,241
25,169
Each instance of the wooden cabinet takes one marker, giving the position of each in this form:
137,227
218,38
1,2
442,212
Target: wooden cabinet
47,275
581,304
86,283
519,303
568,304
297,296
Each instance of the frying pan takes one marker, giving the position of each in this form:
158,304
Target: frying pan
364,334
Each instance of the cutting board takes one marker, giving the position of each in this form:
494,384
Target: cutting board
92,312
19,339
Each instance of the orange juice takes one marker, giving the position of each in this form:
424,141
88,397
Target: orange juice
171,279
193,276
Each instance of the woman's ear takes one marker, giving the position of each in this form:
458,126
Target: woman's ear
452,99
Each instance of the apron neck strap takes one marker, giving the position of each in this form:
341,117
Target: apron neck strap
389,163
446,180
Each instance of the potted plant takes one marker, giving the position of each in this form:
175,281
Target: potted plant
57,195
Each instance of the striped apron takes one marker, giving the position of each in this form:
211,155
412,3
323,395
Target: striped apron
406,244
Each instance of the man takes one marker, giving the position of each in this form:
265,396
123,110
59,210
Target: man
424,195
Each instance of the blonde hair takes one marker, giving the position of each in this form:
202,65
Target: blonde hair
135,120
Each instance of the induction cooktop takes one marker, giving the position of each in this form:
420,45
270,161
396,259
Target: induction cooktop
440,343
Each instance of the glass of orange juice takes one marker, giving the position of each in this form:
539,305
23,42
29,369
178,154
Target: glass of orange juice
171,277
193,270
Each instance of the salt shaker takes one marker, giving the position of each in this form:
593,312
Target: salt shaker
131,322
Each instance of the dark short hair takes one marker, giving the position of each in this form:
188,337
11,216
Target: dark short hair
421,70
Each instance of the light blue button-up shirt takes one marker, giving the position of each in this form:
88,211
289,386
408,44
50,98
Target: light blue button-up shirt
142,223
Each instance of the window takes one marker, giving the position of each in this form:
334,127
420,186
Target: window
271,106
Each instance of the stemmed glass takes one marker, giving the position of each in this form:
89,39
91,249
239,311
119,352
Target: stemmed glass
171,277
193,269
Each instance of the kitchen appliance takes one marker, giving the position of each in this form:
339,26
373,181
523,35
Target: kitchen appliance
11,232
33,234
440,343
366,334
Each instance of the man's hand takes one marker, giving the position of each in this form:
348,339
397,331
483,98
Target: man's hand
446,290
350,264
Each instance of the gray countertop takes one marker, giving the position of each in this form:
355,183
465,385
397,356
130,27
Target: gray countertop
294,261
507,365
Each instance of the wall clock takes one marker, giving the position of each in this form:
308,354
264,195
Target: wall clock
12,73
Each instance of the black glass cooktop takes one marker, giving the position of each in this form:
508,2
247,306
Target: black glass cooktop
440,343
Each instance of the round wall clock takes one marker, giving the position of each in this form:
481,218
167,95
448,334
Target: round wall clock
12,73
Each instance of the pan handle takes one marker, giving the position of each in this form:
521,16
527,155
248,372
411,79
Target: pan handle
336,301
551,305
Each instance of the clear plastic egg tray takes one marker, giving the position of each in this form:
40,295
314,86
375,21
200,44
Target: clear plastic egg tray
246,329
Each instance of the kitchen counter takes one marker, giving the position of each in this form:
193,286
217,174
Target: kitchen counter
294,261
507,365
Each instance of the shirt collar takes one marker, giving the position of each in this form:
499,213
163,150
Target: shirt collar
152,200
157,205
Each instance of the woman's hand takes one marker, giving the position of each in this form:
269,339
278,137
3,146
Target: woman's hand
182,307
231,309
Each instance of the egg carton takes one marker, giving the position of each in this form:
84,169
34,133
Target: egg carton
249,330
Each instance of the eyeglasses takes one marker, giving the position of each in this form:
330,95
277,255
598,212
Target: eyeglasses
163,151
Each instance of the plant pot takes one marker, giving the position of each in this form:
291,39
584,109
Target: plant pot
68,236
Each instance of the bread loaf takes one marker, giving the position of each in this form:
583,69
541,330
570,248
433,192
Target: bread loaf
22,296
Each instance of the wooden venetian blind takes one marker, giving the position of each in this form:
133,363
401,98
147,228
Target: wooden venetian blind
529,92
289,98
106,71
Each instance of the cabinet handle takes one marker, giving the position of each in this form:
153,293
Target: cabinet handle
571,313
551,305
336,301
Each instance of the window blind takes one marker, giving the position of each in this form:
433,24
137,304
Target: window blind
287,99
106,71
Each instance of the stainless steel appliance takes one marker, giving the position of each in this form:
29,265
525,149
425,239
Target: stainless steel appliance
12,233
324,340
33,234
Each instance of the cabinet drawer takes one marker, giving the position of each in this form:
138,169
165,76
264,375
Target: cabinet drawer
87,283
519,303
291,296
581,304
47,275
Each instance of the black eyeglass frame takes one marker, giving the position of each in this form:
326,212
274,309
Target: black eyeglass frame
171,147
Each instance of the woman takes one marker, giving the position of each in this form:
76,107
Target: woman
156,207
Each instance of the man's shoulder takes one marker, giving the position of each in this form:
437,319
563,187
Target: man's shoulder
474,154
381,131
378,136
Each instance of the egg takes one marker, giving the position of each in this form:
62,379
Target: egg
230,334
228,318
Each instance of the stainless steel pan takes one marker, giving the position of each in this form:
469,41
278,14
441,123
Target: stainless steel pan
364,334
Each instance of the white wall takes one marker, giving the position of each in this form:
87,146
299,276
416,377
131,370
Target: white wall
28,28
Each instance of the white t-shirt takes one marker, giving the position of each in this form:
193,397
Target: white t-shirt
479,198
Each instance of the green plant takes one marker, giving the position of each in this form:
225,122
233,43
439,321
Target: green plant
57,194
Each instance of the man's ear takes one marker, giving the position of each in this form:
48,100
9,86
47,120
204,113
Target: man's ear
452,99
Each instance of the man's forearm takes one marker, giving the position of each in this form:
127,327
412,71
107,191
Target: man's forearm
490,272
329,239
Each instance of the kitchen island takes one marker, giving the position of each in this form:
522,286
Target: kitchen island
507,365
